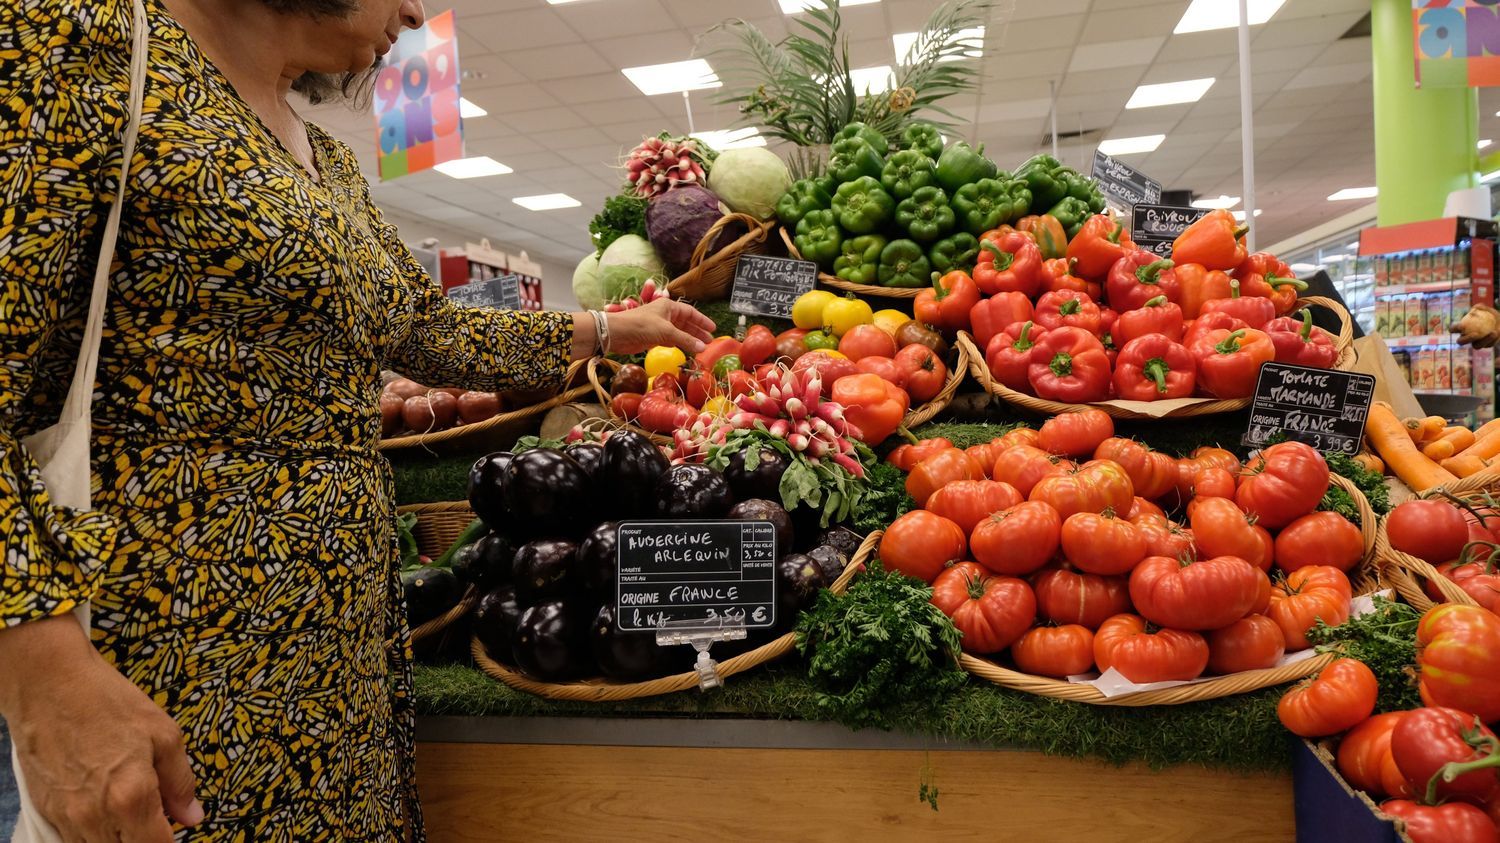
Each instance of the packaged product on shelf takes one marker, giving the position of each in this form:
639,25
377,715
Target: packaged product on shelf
1403,362
1484,381
1463,370
1442,368
1383,317
1416,317
1422,374
1462,301
1424,267
1439,313
1443,269
1382,272
1462,267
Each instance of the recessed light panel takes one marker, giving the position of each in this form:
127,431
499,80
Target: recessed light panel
792,7
547,202
472,168
1220,201
972,40
1169,93
673,77
732,138
1353,193
468,109
1204,15
1131,146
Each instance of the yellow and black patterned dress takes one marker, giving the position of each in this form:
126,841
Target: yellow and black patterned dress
241,559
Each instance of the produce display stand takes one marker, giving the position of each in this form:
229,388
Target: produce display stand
1408,574
710,273
861,290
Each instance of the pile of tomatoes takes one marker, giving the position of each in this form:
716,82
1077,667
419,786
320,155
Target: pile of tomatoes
1073,565
1457,538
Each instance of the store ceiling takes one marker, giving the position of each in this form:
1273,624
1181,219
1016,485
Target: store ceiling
561,113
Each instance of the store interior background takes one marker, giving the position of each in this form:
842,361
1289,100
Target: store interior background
560,113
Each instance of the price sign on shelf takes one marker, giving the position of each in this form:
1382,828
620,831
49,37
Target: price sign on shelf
1123,183
1154,227
1321,407
503,293
767,286
696,575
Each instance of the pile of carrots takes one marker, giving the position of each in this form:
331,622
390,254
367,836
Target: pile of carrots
1427,452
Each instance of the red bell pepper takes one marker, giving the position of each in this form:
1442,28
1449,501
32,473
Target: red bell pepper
1138,277
1009,263
714,350
946,304
1216,241
1069,364
916,450
1263,274
871,403
1057,274
1008,354
1153,368
1156,316
1209,322
1229,361
1048,233
1196,285
1254,311
990,317
1068,308
1096,248
1298,341
1108,318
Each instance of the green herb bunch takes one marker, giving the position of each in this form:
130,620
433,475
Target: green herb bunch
622,214
1386,641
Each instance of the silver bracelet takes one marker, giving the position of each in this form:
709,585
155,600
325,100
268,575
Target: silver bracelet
601,330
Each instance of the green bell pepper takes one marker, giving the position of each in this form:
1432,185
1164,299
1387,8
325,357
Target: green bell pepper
905,172
924,138
820,340
961,251
852,158
868,134
1082,187
987,203
860,261
819,238
803,196
862,206
1072,212
960,165
926,215
1043,175
903,264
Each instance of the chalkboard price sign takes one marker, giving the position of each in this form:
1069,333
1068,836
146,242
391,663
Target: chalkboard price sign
503,293
1321,407
1154,227
767,286
1123,183
696,575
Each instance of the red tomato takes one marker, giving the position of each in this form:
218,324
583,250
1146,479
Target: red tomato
863,341
1479,579
1076,434
1056,651
1221,528
1152,473
1458,659
968,502
1101,543
1213,483
946,466
1250,643
1455,822
1171,540
1142,507
925,372
1201,595
1307,595
1017,540
1428,739
1125,643
739,382
920,544
1095,486
1019,436
884,367
1365,757
1431,530
990,611
828,367
1065,596
1340,697
1322,538
1285,482
1023,465
986,453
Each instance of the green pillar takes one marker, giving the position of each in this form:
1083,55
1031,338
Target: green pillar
1424,138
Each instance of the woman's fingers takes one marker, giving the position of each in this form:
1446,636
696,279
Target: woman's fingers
175,776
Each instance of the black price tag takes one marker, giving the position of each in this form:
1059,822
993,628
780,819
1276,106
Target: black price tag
696,575
503,293
767,286
1123,183
1324,408
1154,227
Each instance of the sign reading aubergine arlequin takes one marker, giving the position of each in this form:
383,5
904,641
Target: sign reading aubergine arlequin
417,101
1457,43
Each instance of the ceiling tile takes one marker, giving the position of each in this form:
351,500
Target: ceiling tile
507,31
1024,10
1107,54
600,87
505,98
665,46
558,62
1136,22
481,72
1198,45
1341,75
575,138
481,128
616,17
1037,34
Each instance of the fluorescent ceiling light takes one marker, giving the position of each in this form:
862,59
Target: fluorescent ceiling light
732,138
1489,177
1239,216
1169,93
472,168
1131,146
546,202
468,109
670,78
1220,201
1353,193
1485,142
1300,268
972,40
561,2
1204,15
792,7
872,80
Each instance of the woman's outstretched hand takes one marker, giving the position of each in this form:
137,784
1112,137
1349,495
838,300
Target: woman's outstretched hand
662,322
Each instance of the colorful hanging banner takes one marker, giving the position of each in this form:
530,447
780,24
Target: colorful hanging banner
417,101
1457,43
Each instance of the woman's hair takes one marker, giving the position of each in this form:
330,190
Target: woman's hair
353,88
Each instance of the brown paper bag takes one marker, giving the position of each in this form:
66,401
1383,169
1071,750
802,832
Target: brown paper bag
1375,359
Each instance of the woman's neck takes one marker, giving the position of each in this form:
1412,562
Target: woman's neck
249,43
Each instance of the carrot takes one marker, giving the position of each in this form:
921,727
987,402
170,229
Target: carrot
1413,428
1438,450
1370,462
1454,440
1392,441
1463,466
1484,448
1489,428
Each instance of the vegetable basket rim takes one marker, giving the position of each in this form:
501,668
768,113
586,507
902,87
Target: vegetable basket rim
1406,573
869,290
470,431
709,274
604,399
447,520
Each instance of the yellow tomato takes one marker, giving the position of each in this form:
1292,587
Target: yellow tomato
719,406
663,359
833,352
807,310
841,315
890,320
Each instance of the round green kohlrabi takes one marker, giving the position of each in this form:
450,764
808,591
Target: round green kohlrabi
587,286
626,265
749,181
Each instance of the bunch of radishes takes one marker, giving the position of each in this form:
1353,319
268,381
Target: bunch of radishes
664,162
649,294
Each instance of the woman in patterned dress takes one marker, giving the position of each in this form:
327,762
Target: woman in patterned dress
240,561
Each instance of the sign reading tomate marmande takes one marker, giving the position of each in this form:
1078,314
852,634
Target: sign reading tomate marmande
1123,183
1154,227
1324,408
696,575
767,286
503,293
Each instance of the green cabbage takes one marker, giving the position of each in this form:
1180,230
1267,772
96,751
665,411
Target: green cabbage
587,287
626,265
749,180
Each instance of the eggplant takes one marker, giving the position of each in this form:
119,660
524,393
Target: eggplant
842,539
763,481
590,455
429,592
598,560
486,563
550,642
623,655
495,618
547,492
830,560
692,491
544,571
486,488
799,578
631,468
757,509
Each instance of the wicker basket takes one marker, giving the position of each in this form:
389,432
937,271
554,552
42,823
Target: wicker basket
1364,579
863,290
709,276
602,690
597,384
1408,574
438,526
497,432
926,412
1344,341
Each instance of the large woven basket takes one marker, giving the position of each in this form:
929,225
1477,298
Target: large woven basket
603,690
1410,575
438,526
1344,341
1364,579
926,412
710,274
596,382
862,290
496,432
